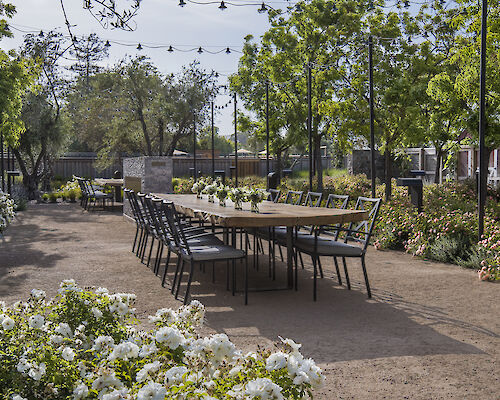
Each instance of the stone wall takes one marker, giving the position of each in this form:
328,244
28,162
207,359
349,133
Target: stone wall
147,175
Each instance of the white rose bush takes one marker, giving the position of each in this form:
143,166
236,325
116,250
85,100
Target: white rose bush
7,212
85,344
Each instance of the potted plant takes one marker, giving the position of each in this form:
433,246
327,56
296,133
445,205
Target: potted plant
198,188
211,190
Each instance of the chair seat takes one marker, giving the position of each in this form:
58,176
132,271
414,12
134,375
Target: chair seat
215,251
101,195
327,247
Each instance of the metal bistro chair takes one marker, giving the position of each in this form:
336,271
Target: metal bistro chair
95,195
274,195
339,201
85,195
138,218
192,254
359,232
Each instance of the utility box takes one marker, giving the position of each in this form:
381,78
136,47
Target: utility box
272,180
415,190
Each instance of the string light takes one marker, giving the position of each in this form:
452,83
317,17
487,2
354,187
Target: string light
200,50
139,47
222,6
262,9
170,49
107,44
182,3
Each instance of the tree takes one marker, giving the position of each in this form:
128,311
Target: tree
132,108
308,37
41,111
221,144
16,76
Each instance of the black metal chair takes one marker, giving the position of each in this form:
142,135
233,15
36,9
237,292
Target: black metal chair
138,218
294,197
274,195
94,195
191,253
317,246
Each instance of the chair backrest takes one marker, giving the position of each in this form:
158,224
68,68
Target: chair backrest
337,201
134,205
176,228
83,186
274,195
313,199
294,197
361,232
146,215
163,227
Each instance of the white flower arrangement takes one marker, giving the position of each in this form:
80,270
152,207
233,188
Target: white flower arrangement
104,356
222,193
7,212
211,190
256,196
238,196
198,187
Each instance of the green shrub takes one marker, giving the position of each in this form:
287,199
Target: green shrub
53,197
72,193
45,197
21,205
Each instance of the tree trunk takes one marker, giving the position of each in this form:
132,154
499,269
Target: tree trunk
160,137
318,162
388,174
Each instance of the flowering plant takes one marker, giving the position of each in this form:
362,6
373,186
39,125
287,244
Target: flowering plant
222,192
83,345
6,210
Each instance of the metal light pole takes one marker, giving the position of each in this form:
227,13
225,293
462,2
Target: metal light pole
213,142
195,174
2,171
8,169
267,129
235,143
483,156
309,124
372,116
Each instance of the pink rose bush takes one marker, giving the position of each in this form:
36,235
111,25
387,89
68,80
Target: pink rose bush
85,344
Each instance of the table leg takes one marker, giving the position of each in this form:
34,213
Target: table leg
118,194
289,256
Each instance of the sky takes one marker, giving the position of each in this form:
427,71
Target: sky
158,22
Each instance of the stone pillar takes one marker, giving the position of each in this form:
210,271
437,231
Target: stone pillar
147,174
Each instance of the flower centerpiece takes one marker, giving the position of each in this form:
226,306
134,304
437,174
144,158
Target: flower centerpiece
222,192
237,196
211,190
85,344
256,196
198,188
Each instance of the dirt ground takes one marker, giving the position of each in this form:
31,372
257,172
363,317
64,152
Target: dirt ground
431,330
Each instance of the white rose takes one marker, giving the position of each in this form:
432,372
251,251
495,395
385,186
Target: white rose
276,361
263,388
170,336
148,349
23,365
17,397
152,391
36,321
116,394
146,371
64,330
56,339
97,313
68,354
80,391
124,351
8,323
174,375
38,294
37,371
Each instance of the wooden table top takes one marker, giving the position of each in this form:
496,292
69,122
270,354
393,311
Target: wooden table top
109,181
271,214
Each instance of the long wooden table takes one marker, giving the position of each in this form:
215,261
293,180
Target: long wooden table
116,182
271,214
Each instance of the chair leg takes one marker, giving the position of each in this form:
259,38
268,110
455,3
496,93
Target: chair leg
227,275
296,277
190,279
150,250
315,279
233,271
177,269
246,280
281,253
213,271
135,239
346,274
366,278
139,243
338,270
166,268
158,256
144,246
179,279
320,269
301,260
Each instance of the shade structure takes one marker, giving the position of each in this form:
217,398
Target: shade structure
180,153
